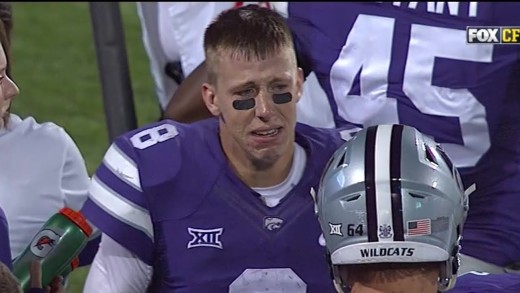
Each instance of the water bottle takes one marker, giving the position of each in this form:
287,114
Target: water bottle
57,246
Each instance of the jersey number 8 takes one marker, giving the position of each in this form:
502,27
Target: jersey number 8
152,136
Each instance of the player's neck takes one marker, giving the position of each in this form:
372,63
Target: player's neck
264,178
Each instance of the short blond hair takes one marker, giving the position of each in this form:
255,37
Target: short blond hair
251,32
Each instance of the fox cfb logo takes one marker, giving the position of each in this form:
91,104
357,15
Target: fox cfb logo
493,35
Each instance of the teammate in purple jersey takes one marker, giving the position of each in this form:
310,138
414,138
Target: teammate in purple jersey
225,204
410,63
475,282
386,229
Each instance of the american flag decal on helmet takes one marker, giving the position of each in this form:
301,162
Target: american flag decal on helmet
419,228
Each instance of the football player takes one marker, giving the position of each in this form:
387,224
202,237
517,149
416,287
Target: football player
392,208
172,34
221,205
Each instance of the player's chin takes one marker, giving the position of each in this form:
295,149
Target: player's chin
265,159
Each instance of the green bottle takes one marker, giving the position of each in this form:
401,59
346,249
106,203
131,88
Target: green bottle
56,246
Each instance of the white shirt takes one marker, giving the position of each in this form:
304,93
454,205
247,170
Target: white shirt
171,32
133,275
41,171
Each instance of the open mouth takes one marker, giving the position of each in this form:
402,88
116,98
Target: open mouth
267,133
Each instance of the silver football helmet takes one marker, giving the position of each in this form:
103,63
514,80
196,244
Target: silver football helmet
391,194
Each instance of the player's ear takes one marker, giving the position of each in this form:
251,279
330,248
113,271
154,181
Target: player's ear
210,99
299,84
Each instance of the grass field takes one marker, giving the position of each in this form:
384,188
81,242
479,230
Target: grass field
54,64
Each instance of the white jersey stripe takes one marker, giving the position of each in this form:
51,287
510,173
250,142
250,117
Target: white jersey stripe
121,208
382,181
122,166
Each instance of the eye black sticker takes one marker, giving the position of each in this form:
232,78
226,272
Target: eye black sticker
250,103
282,98
244,104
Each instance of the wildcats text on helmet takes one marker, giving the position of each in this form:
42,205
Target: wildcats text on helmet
380,252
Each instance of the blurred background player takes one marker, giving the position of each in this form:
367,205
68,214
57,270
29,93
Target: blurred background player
392,208
416,68
172,34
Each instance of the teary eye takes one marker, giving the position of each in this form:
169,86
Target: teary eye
247,93
279,87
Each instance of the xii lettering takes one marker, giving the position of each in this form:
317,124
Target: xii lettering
205,237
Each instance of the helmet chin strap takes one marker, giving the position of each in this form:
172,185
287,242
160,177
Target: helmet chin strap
341,288
449,271
336,277
250,103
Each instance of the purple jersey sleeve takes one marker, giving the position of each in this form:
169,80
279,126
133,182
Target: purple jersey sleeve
487,283
116,203
5,250
89,252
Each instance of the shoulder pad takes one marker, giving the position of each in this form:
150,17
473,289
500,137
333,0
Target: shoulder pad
158,150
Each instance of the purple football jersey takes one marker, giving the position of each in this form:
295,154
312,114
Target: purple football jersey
5,248
167,193
487,283
410,63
